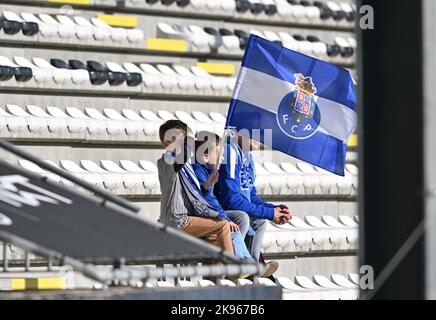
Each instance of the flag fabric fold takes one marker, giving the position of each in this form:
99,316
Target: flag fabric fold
308,104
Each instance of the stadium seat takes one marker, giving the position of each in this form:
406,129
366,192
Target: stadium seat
185,284
81,32
164,284
74,125
351,234
131,180
45,29
217,117
288,41
55,125
319,48
217,83
95,127
298,11
148,166
59,75
149,178
244,282
76,170
40,75
347,221
264,282
199,84
340,280
343,292
113,127
111,181
292,184
100,34
165,115
78,76
9,25
28,28
272,36
132,78
354,278
326,294
346,49
205,283
184,83
150,80
199,42
191,122
214,41
34,124
291,291
166,81
336,238
151,128
226,39
64,31
12,123
114,78
8,69
225,283
96,77
130,127
116,34
243,38
350,14
312,12
338,13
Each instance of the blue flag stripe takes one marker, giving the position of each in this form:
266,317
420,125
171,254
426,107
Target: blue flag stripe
321,144
332,82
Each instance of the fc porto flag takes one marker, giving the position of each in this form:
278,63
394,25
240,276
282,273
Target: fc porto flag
309,105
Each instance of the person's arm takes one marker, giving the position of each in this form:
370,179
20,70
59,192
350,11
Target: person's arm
207,193
259,201
229,186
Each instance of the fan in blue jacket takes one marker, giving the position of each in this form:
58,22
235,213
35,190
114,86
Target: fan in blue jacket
235,190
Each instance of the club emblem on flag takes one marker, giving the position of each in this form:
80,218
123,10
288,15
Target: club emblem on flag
298,115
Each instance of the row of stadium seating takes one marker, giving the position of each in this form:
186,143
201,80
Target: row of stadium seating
130,178
81,30
311,234
336,287
93,125
204,39
328,13
93,75
63,26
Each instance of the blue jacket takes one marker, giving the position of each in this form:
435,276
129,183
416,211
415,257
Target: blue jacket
235,188
202,172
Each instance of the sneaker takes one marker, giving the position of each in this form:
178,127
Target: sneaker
270,268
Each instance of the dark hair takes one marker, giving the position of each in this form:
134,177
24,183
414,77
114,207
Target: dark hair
203,137
171,125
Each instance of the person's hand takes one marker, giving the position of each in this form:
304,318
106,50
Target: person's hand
284,208
281,216
278,215
233,226
213,177
285,218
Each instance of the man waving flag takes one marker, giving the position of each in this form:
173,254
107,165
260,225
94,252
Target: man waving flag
309,105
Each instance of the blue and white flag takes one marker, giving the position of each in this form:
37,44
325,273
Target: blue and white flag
308,104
